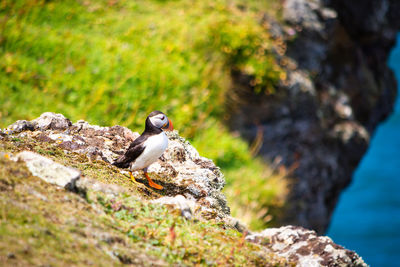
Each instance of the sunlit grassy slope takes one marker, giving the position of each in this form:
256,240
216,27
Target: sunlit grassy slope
112,62
41,225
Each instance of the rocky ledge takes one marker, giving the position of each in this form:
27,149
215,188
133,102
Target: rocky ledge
305,248
192,185
181,170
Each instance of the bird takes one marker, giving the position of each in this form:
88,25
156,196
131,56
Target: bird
148,147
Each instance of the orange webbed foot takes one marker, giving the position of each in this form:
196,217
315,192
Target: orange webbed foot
153,184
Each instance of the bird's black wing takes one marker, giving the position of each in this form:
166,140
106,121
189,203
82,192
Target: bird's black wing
135,149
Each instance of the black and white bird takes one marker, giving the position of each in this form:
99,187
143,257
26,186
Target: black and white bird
148,147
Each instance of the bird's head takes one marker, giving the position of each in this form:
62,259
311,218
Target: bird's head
160,120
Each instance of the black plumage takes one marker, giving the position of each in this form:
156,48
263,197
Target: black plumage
148,147
136,147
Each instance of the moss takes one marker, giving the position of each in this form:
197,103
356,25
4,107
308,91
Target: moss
42,224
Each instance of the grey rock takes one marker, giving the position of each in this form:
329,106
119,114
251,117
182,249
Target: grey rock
85,184
50,120
50,171
20,126
307,13
184,205
235,223
305,248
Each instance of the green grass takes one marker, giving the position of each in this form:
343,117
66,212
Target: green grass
41,224
163,233
113,62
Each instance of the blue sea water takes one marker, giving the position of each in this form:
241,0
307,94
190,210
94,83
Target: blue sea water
367,218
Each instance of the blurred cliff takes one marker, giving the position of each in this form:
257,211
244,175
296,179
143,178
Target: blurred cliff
339,88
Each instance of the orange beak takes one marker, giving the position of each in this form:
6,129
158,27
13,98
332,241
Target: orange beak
168,126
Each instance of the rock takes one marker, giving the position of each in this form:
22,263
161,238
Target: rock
305,248
181,170
235,223
47,120
85,184
50,171
321,118
307,13
185,206
21,125
50,120
193,176
369,17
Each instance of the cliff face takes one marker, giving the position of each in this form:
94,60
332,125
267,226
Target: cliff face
338,89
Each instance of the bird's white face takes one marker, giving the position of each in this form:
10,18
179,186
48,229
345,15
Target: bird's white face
159,120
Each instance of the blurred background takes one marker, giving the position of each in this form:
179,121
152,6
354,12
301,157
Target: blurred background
112,62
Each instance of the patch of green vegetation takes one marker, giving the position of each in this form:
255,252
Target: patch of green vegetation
42,224
113,62
182,241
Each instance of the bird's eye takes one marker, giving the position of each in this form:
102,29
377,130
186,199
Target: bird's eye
162,118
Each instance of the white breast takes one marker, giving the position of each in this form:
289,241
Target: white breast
154,148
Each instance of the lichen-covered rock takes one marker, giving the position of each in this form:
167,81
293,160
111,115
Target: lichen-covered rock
46,121
305,248
181,170
193,176
50,120
185,206
21,125
50,171
85,184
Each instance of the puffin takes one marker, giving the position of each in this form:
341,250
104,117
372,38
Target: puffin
148,147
